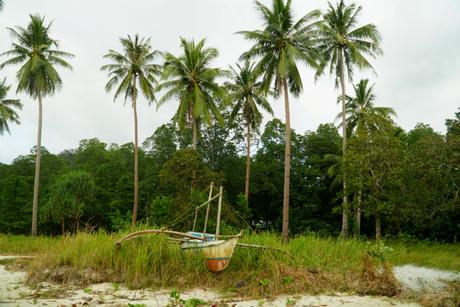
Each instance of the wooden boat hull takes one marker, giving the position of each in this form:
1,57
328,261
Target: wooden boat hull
217,253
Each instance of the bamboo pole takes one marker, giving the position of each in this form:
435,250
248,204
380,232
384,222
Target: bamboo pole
207,208
194,220
219,208
156,231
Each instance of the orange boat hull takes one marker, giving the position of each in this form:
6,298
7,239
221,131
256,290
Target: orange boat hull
217,265
217,253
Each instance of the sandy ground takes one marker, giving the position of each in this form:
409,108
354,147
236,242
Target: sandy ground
14,293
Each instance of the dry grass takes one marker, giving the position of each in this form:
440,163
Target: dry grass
320,265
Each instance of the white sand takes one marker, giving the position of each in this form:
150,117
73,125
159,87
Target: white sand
423,279
14,293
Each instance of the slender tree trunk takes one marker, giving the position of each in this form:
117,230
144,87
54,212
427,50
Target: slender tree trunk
358,214
287,164
248,160
77,228
62,226
194,142
37,169
378,227
136,158
194,133
344,149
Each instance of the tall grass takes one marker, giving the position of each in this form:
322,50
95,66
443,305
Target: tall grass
319,264
25,245
429,254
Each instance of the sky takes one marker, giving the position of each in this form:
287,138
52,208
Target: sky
418,74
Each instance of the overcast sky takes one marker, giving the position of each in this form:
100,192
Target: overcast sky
418,75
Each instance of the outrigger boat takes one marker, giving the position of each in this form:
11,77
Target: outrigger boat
217,249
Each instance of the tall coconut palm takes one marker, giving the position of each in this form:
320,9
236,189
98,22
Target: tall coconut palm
279,46
190,80
130,71
248,94
360,110
362,114
345,45
7,109
38,55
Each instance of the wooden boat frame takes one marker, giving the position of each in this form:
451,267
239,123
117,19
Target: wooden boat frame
217,249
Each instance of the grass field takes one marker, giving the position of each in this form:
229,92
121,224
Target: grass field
319,264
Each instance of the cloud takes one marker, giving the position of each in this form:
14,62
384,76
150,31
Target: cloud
417,75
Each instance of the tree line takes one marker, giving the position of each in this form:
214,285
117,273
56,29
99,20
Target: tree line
216,101
405,185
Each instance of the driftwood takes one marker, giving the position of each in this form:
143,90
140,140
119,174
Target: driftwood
156,231
265,247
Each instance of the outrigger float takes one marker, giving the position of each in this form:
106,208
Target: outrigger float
217,249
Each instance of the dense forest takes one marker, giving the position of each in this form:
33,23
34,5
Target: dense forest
408,180
362,175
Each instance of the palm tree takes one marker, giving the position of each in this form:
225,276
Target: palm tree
248,94
360,111
345,46
7,109
189,79
279,47
131,70
37,76
363,115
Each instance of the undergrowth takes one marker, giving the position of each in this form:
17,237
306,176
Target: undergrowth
319,265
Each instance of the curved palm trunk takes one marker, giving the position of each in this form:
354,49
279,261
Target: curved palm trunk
37,169
287,165
344,233
248,160
136,161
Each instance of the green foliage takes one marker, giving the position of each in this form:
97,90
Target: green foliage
34,50
132,69
175,299
7,108
159,211
155,262
190,80
282,44
417,172
361,112
342,40
184,166
72,194
247,95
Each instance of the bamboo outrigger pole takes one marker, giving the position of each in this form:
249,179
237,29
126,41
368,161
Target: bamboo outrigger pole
219,208
207,208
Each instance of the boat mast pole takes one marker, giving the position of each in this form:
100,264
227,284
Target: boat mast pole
219,208
194,221
207,208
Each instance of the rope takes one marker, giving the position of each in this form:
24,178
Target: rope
183,215
233,210
192,208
